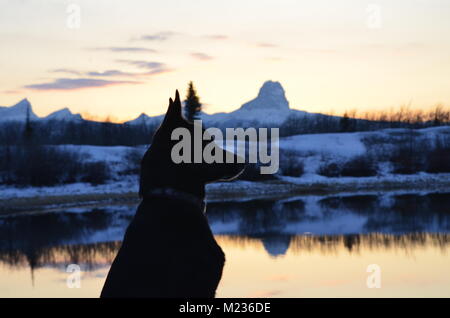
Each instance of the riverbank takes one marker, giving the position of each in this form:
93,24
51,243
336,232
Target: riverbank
15,200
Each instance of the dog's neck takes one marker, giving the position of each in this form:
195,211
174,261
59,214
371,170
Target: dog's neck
174,194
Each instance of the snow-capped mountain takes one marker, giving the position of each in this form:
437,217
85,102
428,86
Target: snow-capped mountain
18,112
271,96
269,108
63,115
22,109
145,120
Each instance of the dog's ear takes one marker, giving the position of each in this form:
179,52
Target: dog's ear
174,110
177,101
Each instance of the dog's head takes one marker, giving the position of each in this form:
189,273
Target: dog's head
159,170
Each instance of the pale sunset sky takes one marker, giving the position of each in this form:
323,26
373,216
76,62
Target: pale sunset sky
121,58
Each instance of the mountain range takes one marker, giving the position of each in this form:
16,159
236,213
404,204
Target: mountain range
23,109
269,107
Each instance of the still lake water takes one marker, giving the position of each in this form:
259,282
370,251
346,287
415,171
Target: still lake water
309,246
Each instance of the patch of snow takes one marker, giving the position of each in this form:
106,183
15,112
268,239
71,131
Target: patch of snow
313,150
337,144
128,184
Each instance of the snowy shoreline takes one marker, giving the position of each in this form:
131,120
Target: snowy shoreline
13,199
312,151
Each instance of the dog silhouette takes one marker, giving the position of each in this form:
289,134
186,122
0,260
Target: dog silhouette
168,249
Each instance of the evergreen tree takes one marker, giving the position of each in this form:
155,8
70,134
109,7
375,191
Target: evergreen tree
345,123
348,123
192,106
28,129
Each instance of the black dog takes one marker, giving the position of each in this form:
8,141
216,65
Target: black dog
169,249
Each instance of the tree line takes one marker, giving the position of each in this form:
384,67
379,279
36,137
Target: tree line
109,134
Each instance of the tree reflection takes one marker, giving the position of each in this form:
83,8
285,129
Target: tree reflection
91,239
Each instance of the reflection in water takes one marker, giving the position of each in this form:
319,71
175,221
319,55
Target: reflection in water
96,255
333,244
276,245
327,226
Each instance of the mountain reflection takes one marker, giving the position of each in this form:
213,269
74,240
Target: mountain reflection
329,225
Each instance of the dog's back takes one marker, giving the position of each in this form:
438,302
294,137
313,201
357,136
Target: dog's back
163,258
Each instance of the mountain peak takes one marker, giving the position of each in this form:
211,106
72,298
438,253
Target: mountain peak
23,104
144,119
63,111
270,88
141,119
64,114
271,96
18,112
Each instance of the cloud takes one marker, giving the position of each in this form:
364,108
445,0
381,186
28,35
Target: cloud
143,64
66,70
113,73
158,71
150,67
110,73
124,49
201,56
153,67
217,37
76,83
12,91
160,36
266,44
